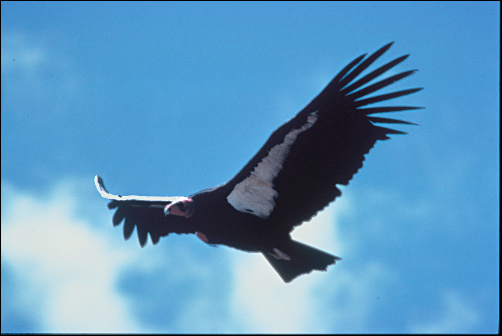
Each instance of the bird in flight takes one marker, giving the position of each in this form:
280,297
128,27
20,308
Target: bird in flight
289,180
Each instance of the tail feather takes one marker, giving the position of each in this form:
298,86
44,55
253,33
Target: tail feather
304,259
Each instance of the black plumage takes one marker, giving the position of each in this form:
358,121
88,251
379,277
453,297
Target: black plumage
291,178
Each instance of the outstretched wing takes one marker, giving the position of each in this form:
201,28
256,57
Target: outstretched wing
146,213
294,175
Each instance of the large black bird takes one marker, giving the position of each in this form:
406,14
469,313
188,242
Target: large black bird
291,178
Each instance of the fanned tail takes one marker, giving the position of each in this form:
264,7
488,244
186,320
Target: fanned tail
304,259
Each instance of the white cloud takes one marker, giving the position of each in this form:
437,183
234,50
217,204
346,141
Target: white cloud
311,303
457,316
67,270
352,296
267,303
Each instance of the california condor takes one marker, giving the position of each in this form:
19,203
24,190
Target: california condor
291,178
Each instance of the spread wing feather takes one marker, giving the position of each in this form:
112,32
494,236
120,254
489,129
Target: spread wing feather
146,213
332,149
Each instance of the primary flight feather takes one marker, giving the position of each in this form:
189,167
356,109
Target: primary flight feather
291,178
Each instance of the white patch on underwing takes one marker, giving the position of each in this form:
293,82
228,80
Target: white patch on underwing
256,194
278,254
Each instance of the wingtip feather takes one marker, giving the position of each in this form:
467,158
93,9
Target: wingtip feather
391,131
390,121
128,229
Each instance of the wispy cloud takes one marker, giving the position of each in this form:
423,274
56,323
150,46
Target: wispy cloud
272,306
69,269
320,302
20,54
38,72
68,273
457,315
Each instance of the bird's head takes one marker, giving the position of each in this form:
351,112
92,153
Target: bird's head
182,207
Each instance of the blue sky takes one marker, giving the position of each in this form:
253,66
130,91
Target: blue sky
170,98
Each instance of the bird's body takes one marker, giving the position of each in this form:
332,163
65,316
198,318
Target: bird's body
290,179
